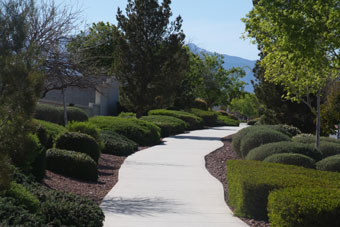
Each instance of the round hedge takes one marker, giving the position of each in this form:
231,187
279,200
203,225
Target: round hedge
48,132
331,163
79,142
236,139
116,144
291,159
142,132
86,128
226,121
286,129
310,138
329,149
259,136
168,125
75,114
209,117
72,164
262,152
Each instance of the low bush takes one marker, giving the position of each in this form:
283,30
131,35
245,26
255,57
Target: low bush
310,138
259,136
142,132
127,115
328,148
292,159
194,122
285,129
168,125
250,182
209,117
48,132
252,122
116,144
331,163
200,104
79,142
312,207
262,152
226,121
85,128
55,114
5,173
23,197
236,139
225,113
72,164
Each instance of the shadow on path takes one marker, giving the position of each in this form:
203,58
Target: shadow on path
198,138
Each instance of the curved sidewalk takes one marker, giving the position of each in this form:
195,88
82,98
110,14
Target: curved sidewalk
168,185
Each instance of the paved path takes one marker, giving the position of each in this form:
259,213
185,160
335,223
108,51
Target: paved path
169,186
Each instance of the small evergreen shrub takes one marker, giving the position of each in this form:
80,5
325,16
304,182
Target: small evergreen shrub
168,125
291,159
329,149
310,138
74,114
237,138
48,132
72,164
331,163
285,129
116,144
127,115
301,206
79,142
209,117
260,136
142,132
194,122
85,128
227,121
262,152
23,197
250,182
200,104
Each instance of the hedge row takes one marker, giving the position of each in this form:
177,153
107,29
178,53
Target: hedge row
142,132
168,125
223,120
309,138
292,159
194,122
209,117
250,182
56,114
48,132
116,144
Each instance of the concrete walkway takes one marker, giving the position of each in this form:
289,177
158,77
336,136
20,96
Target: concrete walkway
169,186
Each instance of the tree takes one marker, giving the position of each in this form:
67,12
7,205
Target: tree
300,43
330,110
247,106
150,60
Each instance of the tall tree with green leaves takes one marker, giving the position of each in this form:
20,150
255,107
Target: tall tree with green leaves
150,60
300,42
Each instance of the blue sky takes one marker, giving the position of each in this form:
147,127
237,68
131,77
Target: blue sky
214,25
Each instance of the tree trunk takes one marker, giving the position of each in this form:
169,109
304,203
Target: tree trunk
64,104
318,119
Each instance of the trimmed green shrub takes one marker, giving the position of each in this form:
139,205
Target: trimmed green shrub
116,144
72,164
200,104
127,115
250,182
194,122
252,122
85,128
262,152
310,138
259,136
48,132
328,148
142,132
75,114
23,197
296,207
285,129
39,165
79,142
209,117
168,125
292,159
331,163
225,113
236,139
226,121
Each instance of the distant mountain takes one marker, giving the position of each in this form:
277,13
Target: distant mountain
232,61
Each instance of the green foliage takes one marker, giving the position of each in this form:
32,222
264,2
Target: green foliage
200,104
79,142
116,144
309,138
23,197
5,172
225,113
330,110
72,164
331,163
329,149
194,122
149,75
301,206
56,114
291,159
262,152
247,105
237,138
127,115
258,136
250,182
47,132
141,132
39,165
227,121
209,117
85,128
253,121
168,125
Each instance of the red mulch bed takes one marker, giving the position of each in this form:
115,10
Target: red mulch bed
216,165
